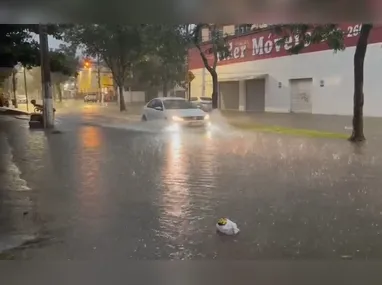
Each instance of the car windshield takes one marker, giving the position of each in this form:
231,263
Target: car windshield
206,99
178,104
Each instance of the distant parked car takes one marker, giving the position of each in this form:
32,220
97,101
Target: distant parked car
90,98
204,103
21,99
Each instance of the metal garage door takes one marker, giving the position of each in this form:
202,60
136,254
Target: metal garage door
229,95
255,95
301,95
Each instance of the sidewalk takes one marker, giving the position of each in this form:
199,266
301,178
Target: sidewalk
133,111
319,123
324,123
12,111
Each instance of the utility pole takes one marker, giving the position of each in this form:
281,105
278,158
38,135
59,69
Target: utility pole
99,79
26,88
204,82
45,78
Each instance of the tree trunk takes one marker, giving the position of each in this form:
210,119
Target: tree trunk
359,58
215,88
14,86
165,88
122,105
59,92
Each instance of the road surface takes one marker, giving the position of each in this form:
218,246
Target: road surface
107,189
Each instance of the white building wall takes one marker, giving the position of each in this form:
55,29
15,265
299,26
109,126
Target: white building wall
134,96
229,30
335,69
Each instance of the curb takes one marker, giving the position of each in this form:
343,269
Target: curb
12,112
8,243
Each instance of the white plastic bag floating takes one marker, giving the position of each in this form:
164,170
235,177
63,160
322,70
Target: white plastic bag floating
227,227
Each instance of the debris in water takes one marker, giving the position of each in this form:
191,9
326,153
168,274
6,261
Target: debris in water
227,227
55,132
347,257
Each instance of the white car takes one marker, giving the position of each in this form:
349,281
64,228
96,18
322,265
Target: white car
21,99
177,111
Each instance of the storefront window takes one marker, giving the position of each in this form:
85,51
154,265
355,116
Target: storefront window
242,29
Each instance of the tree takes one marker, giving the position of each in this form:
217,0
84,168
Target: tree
216,47
359,58
334,37
120,47
63,64
167,51
18,47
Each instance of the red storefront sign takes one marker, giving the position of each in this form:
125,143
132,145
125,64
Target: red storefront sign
257,46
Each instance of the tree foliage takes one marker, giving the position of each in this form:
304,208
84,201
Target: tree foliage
64,61
307,34
164,63
63,65
119,46
18,46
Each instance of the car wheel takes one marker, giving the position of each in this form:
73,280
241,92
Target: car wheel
144,119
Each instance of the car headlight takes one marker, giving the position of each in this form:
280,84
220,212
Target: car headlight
207,117
177,119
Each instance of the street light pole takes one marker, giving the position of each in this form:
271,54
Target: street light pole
99,78
45,77
26,88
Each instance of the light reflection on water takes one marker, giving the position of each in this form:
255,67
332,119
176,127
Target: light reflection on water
90,192
188,180
175,177
175,191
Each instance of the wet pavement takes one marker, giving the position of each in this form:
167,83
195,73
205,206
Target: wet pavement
108,189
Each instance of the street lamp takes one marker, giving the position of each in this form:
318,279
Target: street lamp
87,64
25,87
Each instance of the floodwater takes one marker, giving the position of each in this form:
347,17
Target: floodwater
106,189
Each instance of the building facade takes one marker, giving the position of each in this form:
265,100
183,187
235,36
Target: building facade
262,76
231,30
87,80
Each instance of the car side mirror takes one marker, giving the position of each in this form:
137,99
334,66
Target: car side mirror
158,108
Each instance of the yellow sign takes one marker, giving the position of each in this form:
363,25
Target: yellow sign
190,76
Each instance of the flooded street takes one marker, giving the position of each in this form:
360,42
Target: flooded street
103,189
